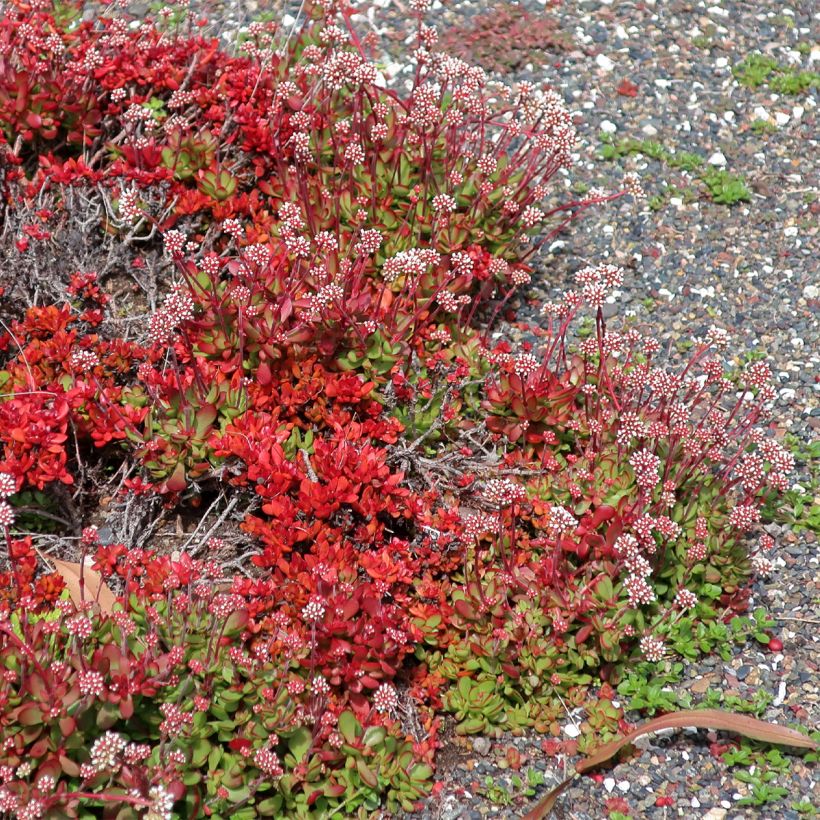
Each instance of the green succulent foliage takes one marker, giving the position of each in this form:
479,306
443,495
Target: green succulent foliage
380,356
759,69
476,704
34,511
298,440
374,768
724,188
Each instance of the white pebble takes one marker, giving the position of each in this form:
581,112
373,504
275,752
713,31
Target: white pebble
609,783
571,730
661,83
623,785
811,292
760,113
649,130
603,62
797,343
721,62
717,159
729,116
608,127
792,230
781,117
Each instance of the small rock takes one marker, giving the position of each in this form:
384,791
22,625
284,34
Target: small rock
482,745
609,783
608,127
811,292
717,159
603,62
701,685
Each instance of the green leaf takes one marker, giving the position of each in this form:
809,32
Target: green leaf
201,752
349,727
367,775
604,589
299,742
374,736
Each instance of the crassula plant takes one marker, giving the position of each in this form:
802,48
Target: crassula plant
432,522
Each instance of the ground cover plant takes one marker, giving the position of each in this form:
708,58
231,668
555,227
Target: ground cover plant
255,289
724,187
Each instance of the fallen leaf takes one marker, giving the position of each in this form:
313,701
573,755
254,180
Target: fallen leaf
627,89
700,718
93,589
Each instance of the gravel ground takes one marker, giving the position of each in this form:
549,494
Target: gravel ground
751,268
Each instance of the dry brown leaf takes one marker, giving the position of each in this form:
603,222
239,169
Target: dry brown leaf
93,589
702,719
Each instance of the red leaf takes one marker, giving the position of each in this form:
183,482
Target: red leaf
176,482
583,633
285,308
627,88
465,610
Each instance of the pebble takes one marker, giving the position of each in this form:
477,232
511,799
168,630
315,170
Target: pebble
482,745
603,62
717,159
